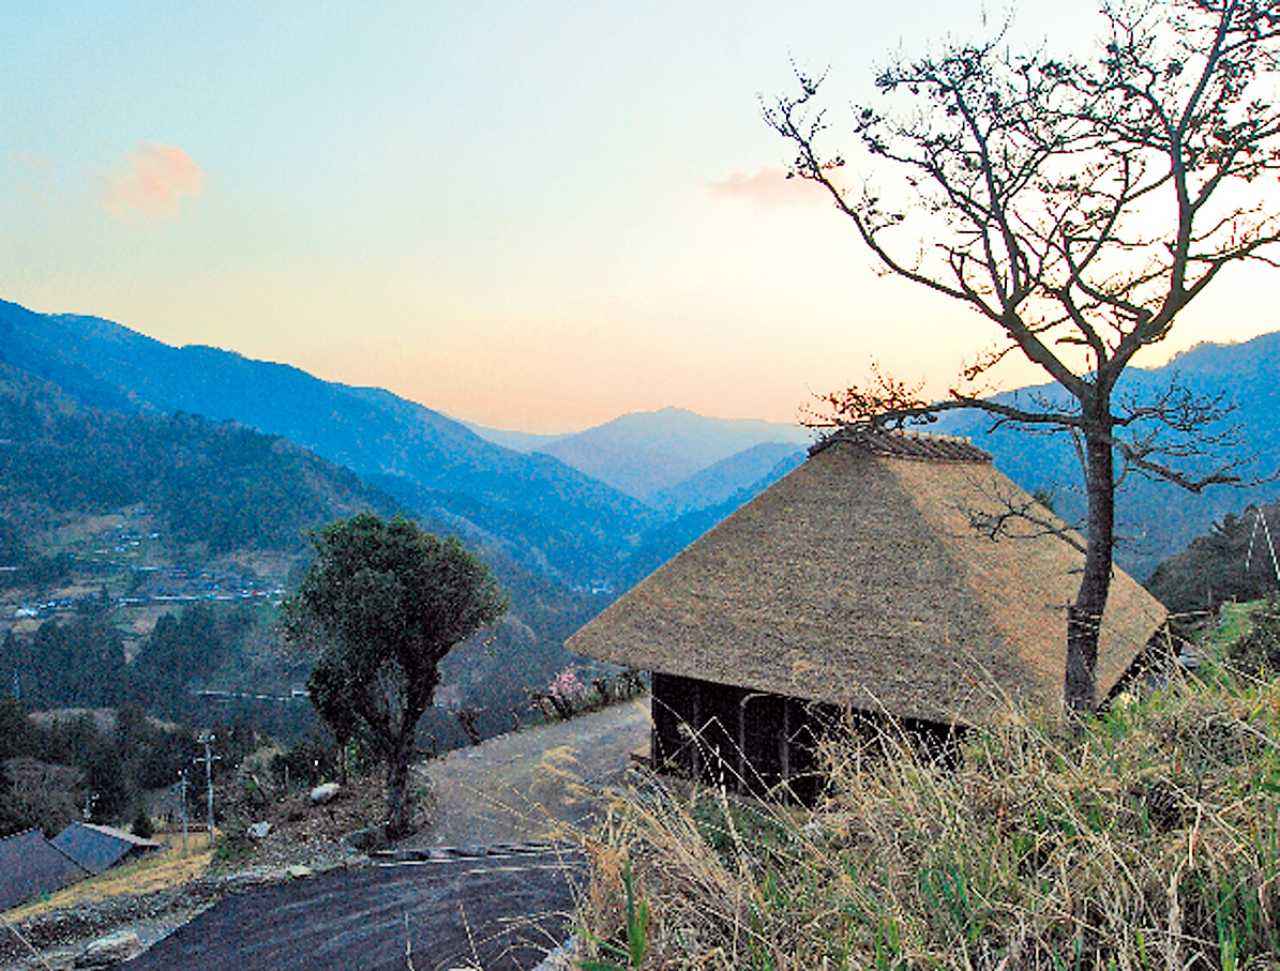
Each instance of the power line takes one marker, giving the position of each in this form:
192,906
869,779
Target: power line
1261,520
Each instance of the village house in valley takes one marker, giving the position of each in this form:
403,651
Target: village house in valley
98,848
861,581
30,866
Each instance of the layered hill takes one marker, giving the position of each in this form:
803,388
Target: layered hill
719,482
126,516
214,487
646,452
584,527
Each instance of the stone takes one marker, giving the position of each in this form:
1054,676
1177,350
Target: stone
298,871
561,959
107,952
258,831
325,793
366,839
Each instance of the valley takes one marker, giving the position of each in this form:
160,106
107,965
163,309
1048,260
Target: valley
138,480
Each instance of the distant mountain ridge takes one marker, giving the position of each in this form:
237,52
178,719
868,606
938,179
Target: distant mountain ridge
1155,520
645,452
719,482
585,527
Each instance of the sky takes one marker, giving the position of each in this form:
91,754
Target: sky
530,215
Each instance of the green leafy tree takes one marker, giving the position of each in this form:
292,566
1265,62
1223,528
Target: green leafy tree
142,827
381,605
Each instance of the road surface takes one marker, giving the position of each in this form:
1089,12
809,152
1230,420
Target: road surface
522,786
492,914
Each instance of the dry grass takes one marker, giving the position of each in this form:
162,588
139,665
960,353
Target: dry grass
161,870
1150,839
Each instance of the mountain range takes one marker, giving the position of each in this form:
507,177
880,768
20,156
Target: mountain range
544,513
221,455
647,453
1156,519
234,454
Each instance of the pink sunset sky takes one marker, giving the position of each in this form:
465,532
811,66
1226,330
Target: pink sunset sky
531,216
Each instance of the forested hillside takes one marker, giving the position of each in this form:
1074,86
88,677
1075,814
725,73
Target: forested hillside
140,553
215,486
453,472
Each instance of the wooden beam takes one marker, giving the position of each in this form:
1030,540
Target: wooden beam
785,741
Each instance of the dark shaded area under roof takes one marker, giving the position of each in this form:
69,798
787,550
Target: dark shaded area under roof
30,866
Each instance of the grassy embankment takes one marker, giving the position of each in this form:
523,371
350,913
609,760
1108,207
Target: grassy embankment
1151,839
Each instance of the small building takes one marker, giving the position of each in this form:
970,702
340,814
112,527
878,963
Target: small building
98,848
859,582
30,866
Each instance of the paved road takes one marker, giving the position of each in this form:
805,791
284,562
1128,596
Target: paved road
497,914
520,786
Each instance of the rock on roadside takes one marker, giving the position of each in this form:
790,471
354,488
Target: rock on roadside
325,793
109,951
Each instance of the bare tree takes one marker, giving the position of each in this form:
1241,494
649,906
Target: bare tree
1079,206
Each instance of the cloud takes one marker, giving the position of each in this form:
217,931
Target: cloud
31,162
152,182
766,187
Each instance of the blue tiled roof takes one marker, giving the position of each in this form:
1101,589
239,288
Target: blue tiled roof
96,848
30,865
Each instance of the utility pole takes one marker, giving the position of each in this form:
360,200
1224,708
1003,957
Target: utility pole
182,794
206,739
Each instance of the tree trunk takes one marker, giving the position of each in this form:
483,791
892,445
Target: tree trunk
1084,617
398,810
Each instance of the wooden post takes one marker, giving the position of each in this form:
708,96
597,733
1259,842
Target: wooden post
744,764
785,741
695,722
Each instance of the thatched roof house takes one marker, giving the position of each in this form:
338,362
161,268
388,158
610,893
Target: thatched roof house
860,580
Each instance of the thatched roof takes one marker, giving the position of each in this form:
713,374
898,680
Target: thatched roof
860,579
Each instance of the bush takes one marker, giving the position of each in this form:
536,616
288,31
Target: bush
1147,840
1257,650
568,695
142,824
311,761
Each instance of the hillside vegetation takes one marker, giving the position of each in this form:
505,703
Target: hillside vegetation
451,472
1232,561
218,486
1150,840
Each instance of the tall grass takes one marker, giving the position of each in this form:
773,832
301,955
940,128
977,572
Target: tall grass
1149,838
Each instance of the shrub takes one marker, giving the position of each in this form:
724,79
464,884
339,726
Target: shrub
142,824
1257,650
